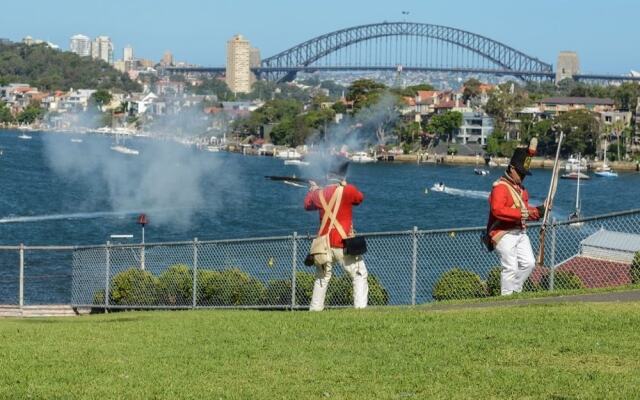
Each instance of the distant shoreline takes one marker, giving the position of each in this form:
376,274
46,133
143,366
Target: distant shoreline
414,158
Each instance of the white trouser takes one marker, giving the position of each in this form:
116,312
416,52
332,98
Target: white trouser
516,257
354,265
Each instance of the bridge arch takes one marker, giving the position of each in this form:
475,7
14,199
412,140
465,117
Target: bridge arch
502,56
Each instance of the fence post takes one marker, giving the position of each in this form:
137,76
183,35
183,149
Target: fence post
106,278
553,254
414,265
194,291
21,284
294,268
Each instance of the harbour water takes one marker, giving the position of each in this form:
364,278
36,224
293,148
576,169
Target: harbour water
59,191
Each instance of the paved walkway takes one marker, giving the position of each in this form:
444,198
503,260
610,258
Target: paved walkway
626,296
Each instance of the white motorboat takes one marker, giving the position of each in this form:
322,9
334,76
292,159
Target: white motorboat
574,164
296,162
362,158
76,140
438,187
213,149
125,150
576,175
606,174
480,171
289,154
24,136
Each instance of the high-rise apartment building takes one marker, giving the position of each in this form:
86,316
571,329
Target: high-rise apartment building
127,54
238,71
81,45
102,48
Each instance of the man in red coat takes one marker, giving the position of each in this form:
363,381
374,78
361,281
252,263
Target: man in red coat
342,227
507,225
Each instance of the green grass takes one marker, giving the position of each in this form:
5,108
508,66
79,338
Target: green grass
535,295
560,351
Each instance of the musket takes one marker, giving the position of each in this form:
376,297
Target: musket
288,179
548,203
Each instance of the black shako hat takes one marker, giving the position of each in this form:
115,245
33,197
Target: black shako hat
338,166
521,159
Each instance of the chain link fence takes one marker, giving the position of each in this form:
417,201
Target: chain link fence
405,268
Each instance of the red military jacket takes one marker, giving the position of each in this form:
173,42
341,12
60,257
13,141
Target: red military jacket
504,215
351,196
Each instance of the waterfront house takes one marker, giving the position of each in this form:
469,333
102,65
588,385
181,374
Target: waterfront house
552,106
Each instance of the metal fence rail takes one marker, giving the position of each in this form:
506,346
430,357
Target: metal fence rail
405,268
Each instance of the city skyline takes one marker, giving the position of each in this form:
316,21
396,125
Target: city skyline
198,33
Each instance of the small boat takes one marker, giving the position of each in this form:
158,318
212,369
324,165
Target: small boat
296,162
438,187
480,171
213,149
76,140
575,175
125,150
24,136
574,164
289,154
606,174
362,157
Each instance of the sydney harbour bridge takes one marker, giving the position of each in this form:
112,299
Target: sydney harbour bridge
409,46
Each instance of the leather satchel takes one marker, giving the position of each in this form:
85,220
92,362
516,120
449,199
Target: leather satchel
320,249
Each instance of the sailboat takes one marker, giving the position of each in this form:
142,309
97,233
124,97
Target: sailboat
576,215
605,171
120,148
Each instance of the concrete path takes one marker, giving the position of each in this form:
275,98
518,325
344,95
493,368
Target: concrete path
626,296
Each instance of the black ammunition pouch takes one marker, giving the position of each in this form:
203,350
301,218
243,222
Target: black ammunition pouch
355,246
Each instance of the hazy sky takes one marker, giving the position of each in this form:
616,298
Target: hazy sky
606,34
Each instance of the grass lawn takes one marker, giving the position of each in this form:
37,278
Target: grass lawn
559,351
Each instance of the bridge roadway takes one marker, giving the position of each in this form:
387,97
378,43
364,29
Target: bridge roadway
497,72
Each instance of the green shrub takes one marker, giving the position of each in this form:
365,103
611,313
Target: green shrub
134,287
635,269
458,284
562,280
493,281
340,292
175,285
278,291
230,287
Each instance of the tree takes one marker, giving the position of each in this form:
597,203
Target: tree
5,114
380,117
504,101
445,125
101,97
581,129
364,92
471,89
29,115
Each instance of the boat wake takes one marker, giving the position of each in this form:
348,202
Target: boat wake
471,194
55,217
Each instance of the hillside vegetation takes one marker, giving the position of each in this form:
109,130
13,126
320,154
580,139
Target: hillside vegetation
49,69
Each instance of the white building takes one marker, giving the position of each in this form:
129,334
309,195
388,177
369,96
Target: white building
476,128
127,54
81,45
102,48
238,72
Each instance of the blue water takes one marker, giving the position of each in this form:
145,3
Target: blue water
57,192
236,200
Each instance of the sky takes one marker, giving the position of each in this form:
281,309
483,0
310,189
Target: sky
605,34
